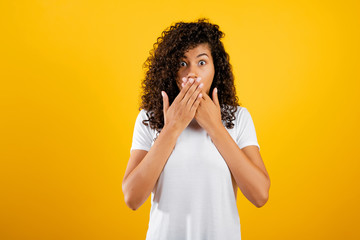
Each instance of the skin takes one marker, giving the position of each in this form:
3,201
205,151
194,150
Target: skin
246,165
145,167
197,63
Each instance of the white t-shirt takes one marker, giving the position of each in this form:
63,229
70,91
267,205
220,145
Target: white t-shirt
194,197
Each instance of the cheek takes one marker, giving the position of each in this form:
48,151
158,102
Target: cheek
209,78
178,79
178,83
209,82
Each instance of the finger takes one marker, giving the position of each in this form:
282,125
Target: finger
196,103
192,94
183,91
215,97
187,91
197,93
204,95
185,80
165,101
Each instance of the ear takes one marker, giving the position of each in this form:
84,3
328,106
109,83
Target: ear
215,97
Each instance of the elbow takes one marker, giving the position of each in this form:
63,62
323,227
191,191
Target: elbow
261,202
129,199
265,196
130,203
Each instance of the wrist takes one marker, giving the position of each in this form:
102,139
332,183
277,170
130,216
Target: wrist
215,131
172,129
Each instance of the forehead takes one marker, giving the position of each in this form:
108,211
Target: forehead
201,48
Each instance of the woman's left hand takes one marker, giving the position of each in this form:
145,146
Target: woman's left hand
208,113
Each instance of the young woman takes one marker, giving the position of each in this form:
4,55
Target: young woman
193,145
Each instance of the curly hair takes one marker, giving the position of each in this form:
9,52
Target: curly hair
163,64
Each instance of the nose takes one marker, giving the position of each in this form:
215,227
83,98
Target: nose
192,72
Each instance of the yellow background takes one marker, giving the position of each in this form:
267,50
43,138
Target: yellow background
70,85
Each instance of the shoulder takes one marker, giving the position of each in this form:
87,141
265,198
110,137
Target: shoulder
241,114
242,118
143,114
142,120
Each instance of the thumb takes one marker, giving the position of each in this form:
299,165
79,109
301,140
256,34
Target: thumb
215,97
165,101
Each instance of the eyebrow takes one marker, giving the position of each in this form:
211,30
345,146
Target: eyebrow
201,54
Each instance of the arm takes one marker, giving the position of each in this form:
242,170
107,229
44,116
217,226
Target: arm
144,168
140,181
245,165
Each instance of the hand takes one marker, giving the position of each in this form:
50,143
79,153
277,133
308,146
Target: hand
184,106
208,114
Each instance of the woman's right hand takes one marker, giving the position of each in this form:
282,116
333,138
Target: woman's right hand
184,106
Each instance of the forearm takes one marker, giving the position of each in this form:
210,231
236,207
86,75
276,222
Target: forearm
251,180
141,181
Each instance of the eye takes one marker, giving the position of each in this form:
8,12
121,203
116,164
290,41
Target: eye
182,64
202,62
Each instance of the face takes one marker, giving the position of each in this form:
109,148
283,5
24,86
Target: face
197,62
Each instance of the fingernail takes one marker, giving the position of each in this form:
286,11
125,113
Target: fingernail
191,80
201,85
198,79
200,95
182,84
162,93
184,79
215,90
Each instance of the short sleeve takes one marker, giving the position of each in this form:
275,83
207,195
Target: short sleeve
142,135
246,134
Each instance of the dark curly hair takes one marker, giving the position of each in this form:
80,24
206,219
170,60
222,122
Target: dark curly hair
163,64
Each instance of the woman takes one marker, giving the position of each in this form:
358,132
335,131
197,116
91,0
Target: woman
193,145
